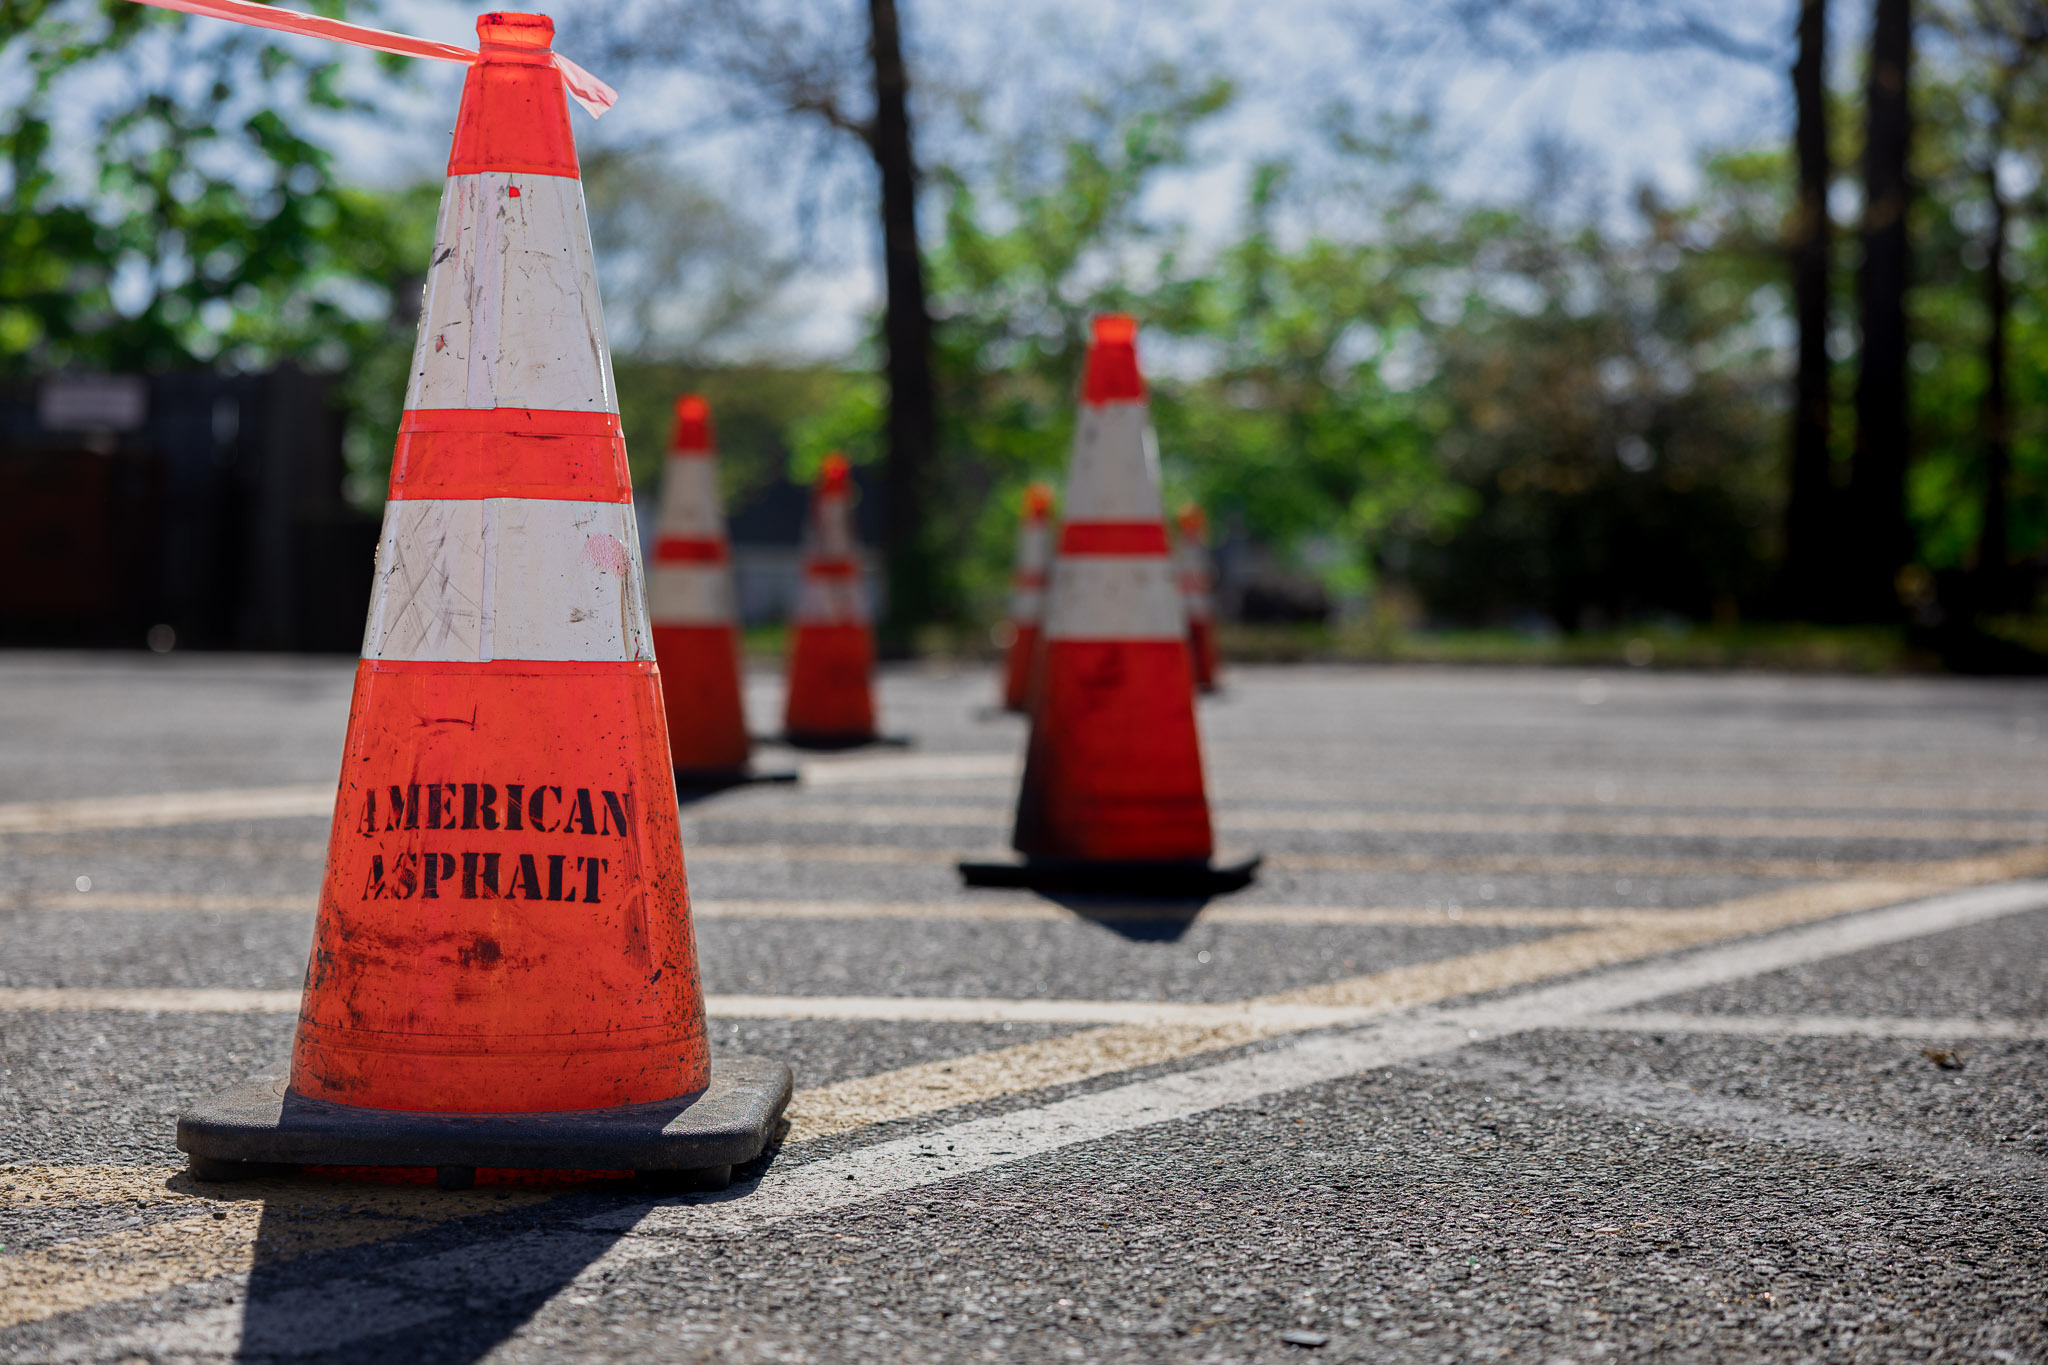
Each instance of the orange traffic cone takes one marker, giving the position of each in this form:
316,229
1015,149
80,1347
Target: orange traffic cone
1112,798
696,628
830,704
1027,593
1191,566
503,970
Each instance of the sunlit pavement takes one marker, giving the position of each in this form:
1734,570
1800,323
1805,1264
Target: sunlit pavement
1574,1017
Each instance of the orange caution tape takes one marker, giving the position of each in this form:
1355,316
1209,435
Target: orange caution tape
587,90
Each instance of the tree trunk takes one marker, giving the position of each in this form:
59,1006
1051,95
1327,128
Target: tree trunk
1993,581
1882,542
1811,575
914,590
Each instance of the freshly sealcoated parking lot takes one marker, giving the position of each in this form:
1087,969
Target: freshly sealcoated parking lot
1573,1017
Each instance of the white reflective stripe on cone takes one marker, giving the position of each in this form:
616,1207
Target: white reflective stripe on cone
1115,472
1034,548
830,602
690,595
511,317
1200,608
1114,597
1025,605
690,504
832,532
474,579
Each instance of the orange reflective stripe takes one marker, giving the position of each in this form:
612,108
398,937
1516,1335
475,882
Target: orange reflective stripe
1112,375
832,568
1113,538
689,550
511,453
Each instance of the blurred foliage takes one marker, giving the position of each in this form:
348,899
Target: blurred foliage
1509,409
769,420
203,226
1535,413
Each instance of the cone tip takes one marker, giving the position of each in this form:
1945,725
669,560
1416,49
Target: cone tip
1112,375
1037,501
510,29
693,423
1115,329
1193,521
835,471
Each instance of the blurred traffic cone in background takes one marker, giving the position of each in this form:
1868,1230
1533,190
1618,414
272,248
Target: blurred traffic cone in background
1191,567
1027,593
830,703
1112,799
696,628
503,971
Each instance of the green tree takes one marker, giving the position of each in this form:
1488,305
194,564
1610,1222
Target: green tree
203,225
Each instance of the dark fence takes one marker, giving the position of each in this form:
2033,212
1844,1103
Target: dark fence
197,509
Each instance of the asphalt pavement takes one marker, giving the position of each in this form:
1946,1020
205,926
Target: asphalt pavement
1574,1017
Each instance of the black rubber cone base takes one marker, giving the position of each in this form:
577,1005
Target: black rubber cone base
836,743
1150,881
258,1128
702,782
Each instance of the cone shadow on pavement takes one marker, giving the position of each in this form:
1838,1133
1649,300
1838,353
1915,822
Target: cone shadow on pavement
454,1291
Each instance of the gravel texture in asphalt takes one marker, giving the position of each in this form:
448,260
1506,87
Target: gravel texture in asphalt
1557,1193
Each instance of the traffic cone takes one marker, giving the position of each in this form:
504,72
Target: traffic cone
1027,593
1112,799
696,629
1191,567
830,703
503,971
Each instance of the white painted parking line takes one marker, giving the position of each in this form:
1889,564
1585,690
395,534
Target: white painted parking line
1812,1025
167,808
899,1165
151,1000
1004,1139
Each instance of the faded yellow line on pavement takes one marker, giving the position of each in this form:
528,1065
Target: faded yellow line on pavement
1630,824
1538,864
1033,911
932,1086
994,909
166,808
135,1263
226,1231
